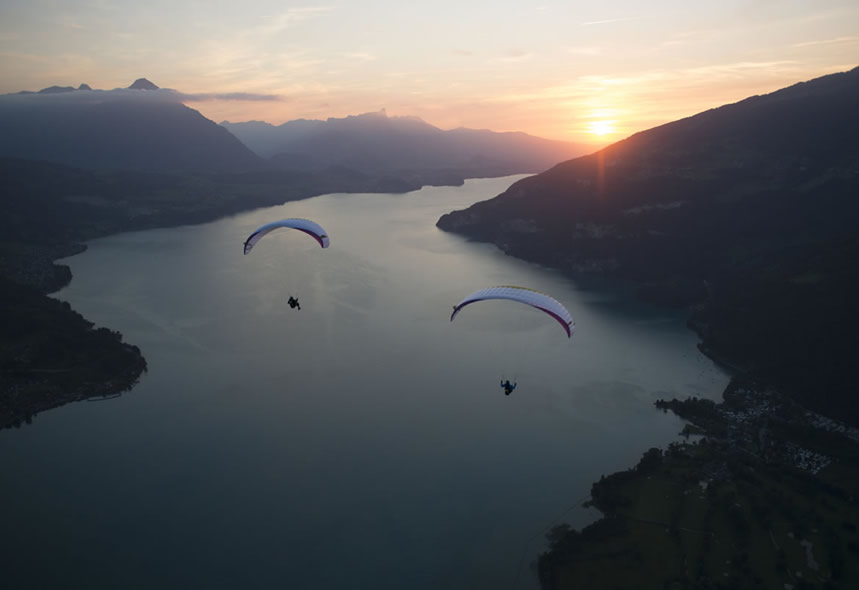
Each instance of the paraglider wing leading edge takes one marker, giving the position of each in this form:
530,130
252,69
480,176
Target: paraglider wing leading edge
311,228
525,295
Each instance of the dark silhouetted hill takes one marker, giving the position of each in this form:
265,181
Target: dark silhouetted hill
374,143
748,211
127,129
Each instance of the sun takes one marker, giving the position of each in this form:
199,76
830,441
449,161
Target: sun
601,128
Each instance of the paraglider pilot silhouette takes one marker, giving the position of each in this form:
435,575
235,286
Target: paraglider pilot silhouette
508,387
293,302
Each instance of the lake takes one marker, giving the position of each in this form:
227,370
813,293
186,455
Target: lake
360,442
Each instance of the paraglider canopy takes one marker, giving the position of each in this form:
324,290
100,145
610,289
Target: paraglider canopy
311,228
525,295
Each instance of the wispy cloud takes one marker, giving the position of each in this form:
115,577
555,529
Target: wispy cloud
259,56
515,56
360,56
609,21
694,36
584,50
70,23
277,23
827,41
240,96
740,68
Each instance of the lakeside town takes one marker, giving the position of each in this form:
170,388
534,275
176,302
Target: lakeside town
762,494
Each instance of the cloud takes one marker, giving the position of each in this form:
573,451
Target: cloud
71,23
657,82
608,21
584,50
279,22
93,96
740,69
160,95
827,41
644,99
360,56
515,56
239,96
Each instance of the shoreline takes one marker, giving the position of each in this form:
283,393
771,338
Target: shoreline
765,478
54,356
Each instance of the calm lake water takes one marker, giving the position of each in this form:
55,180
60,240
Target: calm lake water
361,442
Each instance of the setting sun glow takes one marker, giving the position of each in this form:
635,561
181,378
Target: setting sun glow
601,128
584,72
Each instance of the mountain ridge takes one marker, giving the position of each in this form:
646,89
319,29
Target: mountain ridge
147,128
380,143
138,128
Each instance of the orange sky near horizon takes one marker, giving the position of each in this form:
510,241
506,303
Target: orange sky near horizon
604,110
574,71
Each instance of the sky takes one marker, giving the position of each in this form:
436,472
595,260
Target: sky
588,72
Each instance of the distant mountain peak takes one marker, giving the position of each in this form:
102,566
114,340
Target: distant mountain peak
84,87
143,84
371,116
56,89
